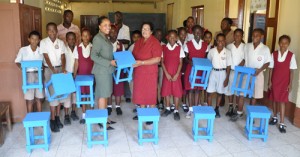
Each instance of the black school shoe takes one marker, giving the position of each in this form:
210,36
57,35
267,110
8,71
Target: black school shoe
58,123
185,108
217,113
53,126
230,111
119,111
135,118
149,123
166,113
109,110
282,128
82,121
74,116
172,108
176,116
111,122
273,121
128,100
235,117
67,120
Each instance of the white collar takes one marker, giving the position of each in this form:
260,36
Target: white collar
49,40
198,46
30,50
170,47
82,45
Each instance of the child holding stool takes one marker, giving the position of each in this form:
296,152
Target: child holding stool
85,64
219,76
282,69
171,63
53,50
28,53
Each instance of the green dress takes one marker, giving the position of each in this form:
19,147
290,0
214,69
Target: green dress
102,54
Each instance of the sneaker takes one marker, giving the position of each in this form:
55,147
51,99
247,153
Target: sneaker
74,116
109,110
134,110
111,122
67,120
135,118
189,114
82,121
160,106
230,111
282,128
185,108
176,116
110,128
172,108
235,117
119,111
273,121
217,113
166,113
149,123
58,123
53,126
128,100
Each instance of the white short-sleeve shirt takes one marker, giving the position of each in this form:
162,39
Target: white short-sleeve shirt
256,58
115,44
26,54
189,37
181,55
124,33
131,47
219,60
183,45
197,46
281,58
53,49
70,58
86,51
237,54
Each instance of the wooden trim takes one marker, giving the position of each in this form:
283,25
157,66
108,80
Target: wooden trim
198,6
227,8
239,21
272,22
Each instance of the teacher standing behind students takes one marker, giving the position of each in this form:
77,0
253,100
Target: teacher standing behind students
147,52
104,65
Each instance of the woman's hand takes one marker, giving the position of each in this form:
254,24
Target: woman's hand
175,77
113,63
290,88
169,77
270,86
137,64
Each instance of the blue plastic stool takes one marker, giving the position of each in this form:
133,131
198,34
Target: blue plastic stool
200,64
63,85
237,84
124,60
261,112
80,81
203,112
37,119
95,117
148,115
31,64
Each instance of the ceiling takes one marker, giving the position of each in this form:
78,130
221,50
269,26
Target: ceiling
115,1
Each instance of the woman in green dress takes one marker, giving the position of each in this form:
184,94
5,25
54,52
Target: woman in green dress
104,65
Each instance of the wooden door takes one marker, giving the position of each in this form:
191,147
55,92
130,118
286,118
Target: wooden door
90,22
271,23
170,16
234,9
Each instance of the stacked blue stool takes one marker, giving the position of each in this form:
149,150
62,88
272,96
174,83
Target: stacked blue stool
237,86
200,64
124,60
37,119
148,115
63,85
95,117
81,81
31,64
262,113
207,113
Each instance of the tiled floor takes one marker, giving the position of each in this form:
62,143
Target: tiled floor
175,139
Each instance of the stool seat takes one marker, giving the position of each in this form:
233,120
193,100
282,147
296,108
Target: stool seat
125,62
205,113
262,113
32,64
95,117
148,115
241,84
81,81
200,64
37,119
63,85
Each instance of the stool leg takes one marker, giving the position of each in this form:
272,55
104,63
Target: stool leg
46,142
250,128
31,132
7,114
78,96
92,96
105,133
49,132
261,127
266,130
208,127
155,129
89,135
140,132
211,129
28,140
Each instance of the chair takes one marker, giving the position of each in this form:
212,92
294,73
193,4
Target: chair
31,64
95,117
124,61
80,81
262,113
148,115
237,85
63,85
37,119
207,113
200,64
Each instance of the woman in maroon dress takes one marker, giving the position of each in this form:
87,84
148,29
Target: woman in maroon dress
147,52
281,78
85,63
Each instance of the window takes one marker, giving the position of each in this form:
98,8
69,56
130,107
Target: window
198,14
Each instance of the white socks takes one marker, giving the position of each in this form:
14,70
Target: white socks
175,111
240,112
83,115
109,106
118,106
168,108
191,109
